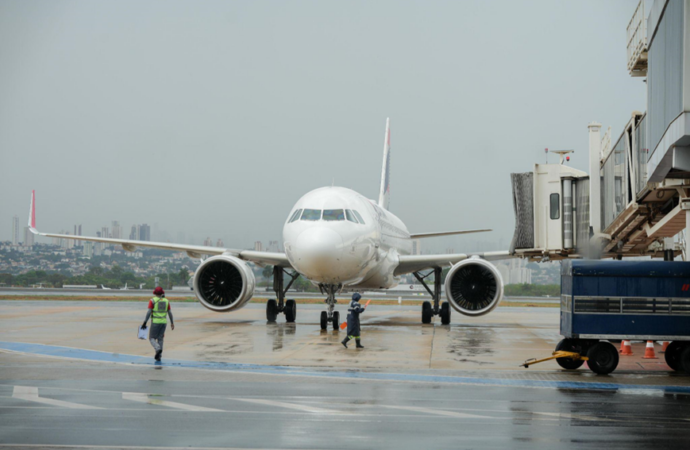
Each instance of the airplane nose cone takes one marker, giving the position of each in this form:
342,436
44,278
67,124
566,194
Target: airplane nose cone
318,252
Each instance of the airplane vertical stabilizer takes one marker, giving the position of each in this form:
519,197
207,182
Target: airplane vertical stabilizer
384,193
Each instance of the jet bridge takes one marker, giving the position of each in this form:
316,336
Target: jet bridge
636,199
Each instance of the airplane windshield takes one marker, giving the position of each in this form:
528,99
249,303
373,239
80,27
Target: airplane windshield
311,214
295,215
358,217
351,217
333,214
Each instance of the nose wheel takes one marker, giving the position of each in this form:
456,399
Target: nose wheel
330,315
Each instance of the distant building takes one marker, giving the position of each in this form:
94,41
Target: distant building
28,237
105,232
258,246
220,243
416,247
80,230
144,232
515,271
88,249
117,230
15,230
134,234
208,242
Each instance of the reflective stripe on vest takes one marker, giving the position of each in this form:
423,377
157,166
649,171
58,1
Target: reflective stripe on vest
160,310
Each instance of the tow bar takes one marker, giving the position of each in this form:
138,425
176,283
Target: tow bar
554,355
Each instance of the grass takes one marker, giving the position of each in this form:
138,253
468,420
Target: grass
304,301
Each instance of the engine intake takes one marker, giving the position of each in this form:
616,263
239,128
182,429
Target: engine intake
474,287
224,283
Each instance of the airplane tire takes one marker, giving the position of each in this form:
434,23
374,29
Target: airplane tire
271,310
567,345
427,313
445,313
603,358
336,320
290,311
324,320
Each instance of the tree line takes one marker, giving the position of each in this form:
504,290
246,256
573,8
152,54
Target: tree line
96,275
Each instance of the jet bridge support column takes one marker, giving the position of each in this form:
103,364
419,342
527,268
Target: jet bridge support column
594,177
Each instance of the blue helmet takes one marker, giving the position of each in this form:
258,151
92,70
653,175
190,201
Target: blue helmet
356,297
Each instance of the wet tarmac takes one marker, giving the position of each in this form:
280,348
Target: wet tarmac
74,374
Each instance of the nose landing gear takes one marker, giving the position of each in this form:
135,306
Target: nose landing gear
274,307
438,308
330,315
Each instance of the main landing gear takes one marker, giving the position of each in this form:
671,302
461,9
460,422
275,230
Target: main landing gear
438,309
330,315
274,307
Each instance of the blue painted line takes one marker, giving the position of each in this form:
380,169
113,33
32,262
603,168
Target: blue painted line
93,355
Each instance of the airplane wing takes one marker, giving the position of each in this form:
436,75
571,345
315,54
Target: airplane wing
194,251
445,233
414,263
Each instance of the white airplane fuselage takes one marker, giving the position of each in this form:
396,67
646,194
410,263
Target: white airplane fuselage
327,243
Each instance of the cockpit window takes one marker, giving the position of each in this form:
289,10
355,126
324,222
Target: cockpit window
333,214
351,217
311,214
358,217
295,216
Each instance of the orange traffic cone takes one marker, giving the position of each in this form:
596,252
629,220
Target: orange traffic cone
649,351
664,345
626,348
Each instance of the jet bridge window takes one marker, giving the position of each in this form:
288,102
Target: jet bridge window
295,216
333,214
358,217
555,206
351,217
311,214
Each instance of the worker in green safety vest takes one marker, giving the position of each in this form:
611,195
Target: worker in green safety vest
159,310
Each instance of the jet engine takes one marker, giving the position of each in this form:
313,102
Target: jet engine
224,283
474,287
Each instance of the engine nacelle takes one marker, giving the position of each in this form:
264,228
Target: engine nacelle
474,287
224,283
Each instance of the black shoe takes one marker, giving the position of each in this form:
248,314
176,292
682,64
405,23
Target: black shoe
158,355
345,342
359,344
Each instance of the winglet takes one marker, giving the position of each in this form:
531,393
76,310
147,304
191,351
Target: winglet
32,213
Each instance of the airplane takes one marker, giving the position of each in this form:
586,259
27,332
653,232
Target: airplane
105,288
340,241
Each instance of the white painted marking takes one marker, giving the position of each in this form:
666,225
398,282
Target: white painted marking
305,408
30,394
571,416
144,398
438,412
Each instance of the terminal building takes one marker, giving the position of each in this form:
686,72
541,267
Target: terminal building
639,202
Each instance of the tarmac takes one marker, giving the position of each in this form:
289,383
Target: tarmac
73,375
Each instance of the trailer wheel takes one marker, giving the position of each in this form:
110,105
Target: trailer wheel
603,358
567,345
672,355
685,359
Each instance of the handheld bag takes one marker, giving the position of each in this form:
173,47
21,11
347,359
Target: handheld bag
142,332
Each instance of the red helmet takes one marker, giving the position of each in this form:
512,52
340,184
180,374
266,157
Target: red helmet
158,291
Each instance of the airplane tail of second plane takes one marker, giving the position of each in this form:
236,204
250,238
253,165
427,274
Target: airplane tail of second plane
384,193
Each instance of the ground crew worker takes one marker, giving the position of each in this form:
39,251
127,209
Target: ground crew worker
353,329
159,309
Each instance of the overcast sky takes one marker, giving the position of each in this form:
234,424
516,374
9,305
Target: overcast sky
213,118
